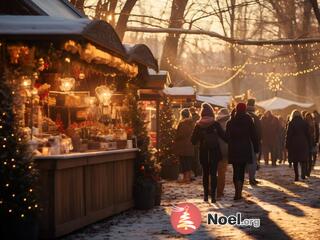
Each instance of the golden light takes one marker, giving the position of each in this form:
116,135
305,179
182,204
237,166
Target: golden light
34,92
109,18
67,84
26,82
104,94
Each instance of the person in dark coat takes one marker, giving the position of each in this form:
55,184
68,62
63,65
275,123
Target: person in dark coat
206,133
316,118
252,168
183,148
196,168
242,140
298,143
270,129
312,132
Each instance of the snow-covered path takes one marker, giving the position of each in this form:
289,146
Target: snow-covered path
287,209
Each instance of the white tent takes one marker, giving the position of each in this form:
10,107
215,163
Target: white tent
219,100
179,91
278,103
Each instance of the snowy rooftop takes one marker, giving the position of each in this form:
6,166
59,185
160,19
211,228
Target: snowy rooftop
25,27
57,8
219,100
180,91
278,103
17,25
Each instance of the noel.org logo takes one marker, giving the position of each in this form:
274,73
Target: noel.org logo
185,218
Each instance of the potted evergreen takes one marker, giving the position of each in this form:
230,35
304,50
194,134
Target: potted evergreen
147,191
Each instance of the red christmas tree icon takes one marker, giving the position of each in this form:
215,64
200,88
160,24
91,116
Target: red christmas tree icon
185,221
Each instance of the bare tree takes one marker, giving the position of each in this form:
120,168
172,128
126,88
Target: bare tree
123,18
170,48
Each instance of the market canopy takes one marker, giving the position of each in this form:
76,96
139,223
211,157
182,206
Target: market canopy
179,91
97,32
141,54
278,103
218,100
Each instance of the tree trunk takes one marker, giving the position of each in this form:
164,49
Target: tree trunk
235,82
124,17
315,7
170,48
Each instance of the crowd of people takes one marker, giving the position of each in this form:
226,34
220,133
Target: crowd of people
242,138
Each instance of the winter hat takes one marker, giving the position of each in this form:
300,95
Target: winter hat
223,112
206,110
241,107
251,102
251,105
185,113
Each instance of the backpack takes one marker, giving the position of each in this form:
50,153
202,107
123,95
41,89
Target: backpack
210,138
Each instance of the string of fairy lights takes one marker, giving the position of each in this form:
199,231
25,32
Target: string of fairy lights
273,79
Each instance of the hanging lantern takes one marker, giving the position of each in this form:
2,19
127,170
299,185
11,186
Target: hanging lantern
82,76
67,84
104,94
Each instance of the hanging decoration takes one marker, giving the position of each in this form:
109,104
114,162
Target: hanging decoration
67,84
90,53
104,94
274,83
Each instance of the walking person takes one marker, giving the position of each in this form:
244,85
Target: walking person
223,117
312,132
282,140
316,118
270,128
183,148
196,168
242,137
298,143
252,168
206,133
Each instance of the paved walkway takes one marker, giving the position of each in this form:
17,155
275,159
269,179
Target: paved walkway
287,209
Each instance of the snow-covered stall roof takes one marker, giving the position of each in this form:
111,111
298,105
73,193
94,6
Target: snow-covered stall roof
142,54
278,103
53,8
98,32
218,100
179,91
57,8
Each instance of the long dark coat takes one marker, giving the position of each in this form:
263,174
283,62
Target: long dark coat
206,154
242,137
182,144
298,140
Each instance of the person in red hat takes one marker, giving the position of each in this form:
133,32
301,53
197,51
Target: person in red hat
242,137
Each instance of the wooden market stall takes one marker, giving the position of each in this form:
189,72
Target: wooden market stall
151,94
73,77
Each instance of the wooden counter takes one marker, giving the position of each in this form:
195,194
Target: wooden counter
82,188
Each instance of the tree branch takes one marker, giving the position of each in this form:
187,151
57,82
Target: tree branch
282,41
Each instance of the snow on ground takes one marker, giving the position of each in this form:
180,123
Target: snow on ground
287,210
